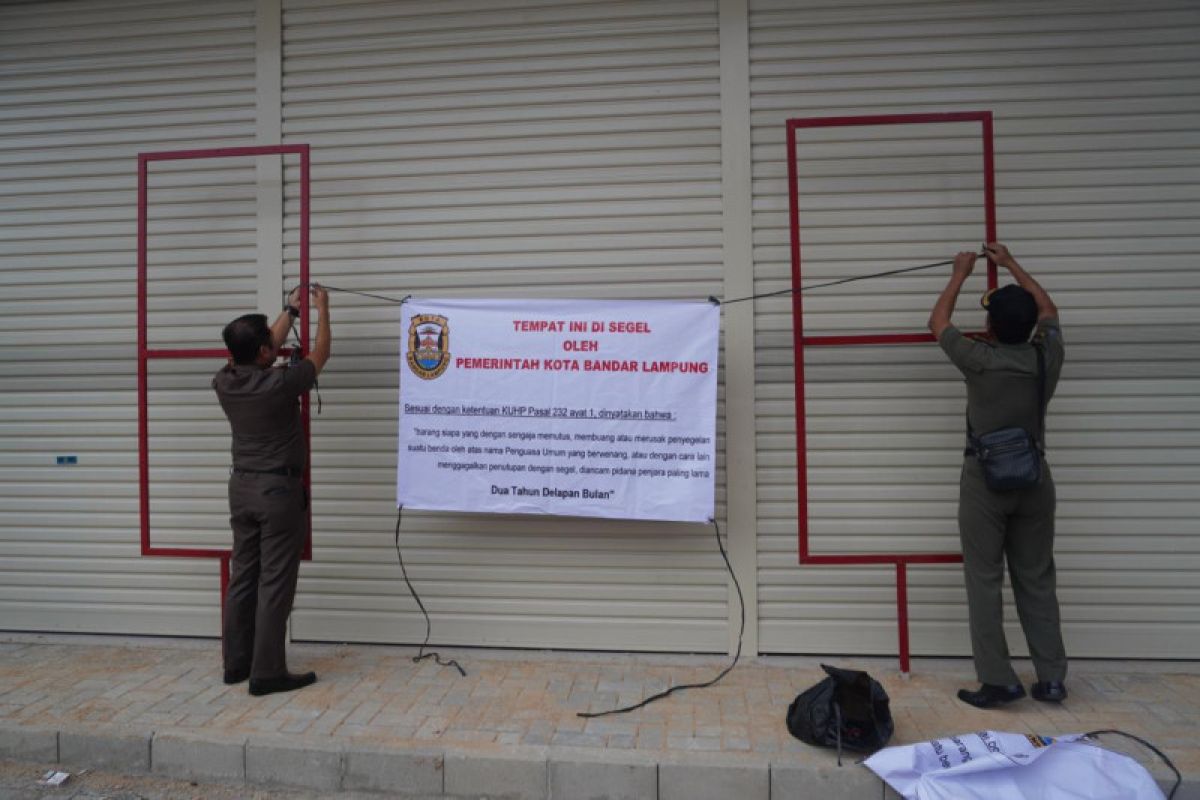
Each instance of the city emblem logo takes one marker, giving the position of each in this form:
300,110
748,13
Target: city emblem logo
428,345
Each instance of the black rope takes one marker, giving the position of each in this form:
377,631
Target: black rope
705,685
1159,753
421,654
801,289
363,294
713,299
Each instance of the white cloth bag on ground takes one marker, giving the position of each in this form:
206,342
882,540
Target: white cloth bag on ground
989,765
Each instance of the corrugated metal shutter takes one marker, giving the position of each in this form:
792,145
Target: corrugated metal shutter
1097,171
526,149
84,87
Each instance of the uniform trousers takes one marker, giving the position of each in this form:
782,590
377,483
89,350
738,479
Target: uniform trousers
268,515
1016,526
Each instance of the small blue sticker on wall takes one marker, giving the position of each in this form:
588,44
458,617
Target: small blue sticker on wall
67,459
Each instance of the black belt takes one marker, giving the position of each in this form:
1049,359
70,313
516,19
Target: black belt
287,472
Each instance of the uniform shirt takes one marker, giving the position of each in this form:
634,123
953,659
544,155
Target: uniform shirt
1002,382
263,407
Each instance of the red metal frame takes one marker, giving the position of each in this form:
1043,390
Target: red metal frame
800,341
145,353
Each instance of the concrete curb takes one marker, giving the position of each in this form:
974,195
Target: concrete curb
685,780
26,743
114,750
514,776
273,761
518,773
586,775
370,768
193,756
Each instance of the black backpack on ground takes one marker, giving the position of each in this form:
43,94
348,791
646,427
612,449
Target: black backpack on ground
849,709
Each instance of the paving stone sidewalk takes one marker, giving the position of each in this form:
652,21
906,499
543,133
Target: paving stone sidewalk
166,695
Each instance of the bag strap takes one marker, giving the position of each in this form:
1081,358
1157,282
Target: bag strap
837,716
1041,359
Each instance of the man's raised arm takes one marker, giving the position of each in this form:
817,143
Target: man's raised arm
321,350
1001,256
939,318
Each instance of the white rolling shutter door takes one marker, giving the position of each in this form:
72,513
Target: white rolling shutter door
84,87
559,148
1097,169
525,149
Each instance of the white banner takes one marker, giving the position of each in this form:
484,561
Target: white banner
993,765
599,408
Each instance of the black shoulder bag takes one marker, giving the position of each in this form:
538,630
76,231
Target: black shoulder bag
848,709
1012,457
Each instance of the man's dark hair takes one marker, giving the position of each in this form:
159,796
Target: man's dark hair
1012,312
245,335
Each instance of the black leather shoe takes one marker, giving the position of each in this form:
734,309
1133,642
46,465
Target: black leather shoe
233,676
284,683
287,683
987,696
1049,691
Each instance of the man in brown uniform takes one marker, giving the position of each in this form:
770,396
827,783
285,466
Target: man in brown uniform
1016,524
267,500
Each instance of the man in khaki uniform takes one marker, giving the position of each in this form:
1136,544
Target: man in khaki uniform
267,500
1017,524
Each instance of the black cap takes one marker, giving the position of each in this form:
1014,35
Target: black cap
1012,311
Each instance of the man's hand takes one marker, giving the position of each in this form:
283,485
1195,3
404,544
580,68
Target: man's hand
320,297
320,352
294,296
999,254
283,323
964,262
